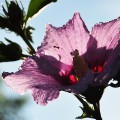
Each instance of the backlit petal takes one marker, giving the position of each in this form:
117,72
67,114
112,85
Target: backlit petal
107,36
60,42
38,75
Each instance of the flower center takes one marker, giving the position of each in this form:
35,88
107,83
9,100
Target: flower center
80,67
98,68
73,79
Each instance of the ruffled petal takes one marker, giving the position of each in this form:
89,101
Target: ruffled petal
40,75
42,96
106,36
60,42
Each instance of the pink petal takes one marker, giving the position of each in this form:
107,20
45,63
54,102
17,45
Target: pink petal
60,42
42,96
106,36
40,76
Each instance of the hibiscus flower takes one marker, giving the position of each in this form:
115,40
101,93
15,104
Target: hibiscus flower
69,59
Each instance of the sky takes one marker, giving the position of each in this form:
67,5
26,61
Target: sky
66,107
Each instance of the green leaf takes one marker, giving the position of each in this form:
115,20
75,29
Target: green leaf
10,52
35,6
13,17
4,22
